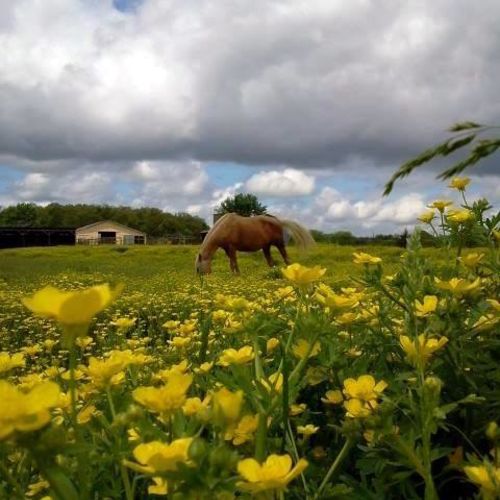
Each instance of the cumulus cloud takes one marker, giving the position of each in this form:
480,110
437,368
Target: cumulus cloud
269,82
289,182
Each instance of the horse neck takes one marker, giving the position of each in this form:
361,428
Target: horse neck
208,249
211,242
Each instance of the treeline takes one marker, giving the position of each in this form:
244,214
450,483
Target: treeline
347,238
153,221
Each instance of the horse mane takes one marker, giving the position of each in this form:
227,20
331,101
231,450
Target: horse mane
214,230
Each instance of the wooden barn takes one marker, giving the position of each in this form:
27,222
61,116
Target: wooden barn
110,233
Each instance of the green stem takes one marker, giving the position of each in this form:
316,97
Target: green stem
110,402
72,383
261,438
336,463
123,470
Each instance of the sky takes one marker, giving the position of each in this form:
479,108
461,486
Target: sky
309,104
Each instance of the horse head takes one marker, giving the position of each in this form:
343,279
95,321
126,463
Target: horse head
203,266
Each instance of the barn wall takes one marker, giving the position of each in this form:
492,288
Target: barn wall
123,236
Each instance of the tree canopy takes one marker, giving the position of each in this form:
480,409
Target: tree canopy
245,204
153,221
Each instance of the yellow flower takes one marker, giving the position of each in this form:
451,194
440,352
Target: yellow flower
303,347
274,474
459,183
460,216
123,323
307,430
302,275
333,397
236,357
155,456
472,259
325,296
227,406
26,411
485,322
204,367
160,486
457,286
297,409
427,307
180,342
347,318
244,431
86,414
495,304
364,388
485,476
427,217
316,374
356,408
365,258
71,308
273,383
271,344
83,342
171,324
165,374
422,348
8,362
35,488
105,372
440,205
167,399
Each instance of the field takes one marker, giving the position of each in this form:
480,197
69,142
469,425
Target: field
339,378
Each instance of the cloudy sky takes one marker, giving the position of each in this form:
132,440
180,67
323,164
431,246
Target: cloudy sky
310,104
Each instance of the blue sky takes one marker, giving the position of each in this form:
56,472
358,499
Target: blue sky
309,105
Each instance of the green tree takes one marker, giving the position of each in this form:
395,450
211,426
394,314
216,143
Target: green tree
245,204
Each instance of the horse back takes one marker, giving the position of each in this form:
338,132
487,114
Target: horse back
249,234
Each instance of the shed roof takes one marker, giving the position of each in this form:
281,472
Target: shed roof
95,224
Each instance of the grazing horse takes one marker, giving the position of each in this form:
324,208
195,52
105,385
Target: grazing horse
233,232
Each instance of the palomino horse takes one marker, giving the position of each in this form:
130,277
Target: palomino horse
233,232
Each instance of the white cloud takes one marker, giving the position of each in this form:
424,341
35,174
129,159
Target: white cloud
288,182
266,82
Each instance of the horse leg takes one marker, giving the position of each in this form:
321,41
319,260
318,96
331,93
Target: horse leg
267,255
282,250
233,262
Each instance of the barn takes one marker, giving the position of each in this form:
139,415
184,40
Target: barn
109,232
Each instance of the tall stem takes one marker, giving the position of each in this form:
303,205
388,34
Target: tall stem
336,463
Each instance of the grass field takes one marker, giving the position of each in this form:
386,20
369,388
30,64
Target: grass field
32,266
212,388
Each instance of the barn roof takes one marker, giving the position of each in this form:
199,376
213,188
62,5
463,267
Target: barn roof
94,224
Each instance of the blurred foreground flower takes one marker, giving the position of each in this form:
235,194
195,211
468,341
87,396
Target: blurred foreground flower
7,362
73,310
26,411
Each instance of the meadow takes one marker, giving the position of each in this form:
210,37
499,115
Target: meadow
359,373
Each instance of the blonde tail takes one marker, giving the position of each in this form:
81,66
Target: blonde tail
300,234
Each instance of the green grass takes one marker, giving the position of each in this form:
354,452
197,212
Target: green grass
139,266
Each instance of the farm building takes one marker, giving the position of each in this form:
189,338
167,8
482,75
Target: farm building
109,232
